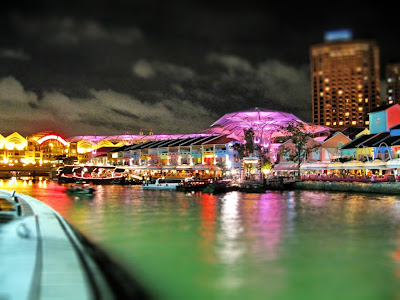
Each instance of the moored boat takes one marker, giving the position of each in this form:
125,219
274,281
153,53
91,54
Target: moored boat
221,186
91,174
159,185
253,187
192,185
81,190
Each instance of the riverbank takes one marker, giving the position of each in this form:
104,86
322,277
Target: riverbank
7,172
359,187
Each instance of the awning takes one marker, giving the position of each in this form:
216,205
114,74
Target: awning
314,166
205,167
359,165
353,165
286,167
335,166
168,167
376,164
184,167
393,163
153,168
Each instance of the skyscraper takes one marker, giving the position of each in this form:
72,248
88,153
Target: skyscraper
393,83
345,80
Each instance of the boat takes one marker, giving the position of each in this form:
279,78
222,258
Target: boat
91,174
42,256
192,185
81,190
253,187
159,184
220,186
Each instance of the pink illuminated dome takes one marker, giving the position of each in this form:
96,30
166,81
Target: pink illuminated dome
266,124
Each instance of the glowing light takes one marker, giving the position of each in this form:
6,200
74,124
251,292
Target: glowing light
250,161
52,137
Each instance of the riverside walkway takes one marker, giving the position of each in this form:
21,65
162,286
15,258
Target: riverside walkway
356,187
28,171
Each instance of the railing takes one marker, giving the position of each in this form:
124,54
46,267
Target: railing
279,180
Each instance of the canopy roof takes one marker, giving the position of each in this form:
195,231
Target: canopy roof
265,124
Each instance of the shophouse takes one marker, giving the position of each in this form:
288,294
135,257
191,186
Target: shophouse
204,157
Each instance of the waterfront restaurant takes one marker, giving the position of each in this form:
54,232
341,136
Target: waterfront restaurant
39,149
180,154
210,156
372,156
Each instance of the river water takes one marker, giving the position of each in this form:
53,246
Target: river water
276,245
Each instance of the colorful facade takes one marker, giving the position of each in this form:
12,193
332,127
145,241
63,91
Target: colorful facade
203,157
373,154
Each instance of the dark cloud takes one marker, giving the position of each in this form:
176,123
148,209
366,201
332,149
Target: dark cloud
109,67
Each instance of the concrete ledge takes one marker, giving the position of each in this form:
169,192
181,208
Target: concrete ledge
359,187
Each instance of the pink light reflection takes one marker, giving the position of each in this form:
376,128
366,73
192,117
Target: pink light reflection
269,225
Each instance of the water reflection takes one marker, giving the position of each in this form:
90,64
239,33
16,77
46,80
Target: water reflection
207,225
276,245
229,247
270,226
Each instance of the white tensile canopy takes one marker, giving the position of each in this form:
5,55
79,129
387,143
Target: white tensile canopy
266,125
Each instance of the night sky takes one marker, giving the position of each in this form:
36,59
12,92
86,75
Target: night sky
113,67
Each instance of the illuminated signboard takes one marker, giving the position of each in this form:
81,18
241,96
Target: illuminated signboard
338,35
52,137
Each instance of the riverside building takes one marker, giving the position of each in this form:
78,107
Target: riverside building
393,83
209,152
345,80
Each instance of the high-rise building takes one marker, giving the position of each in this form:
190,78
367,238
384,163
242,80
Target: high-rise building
345,80
393,83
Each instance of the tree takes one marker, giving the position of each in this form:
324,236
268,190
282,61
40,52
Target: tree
301,137
250,148
70,160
